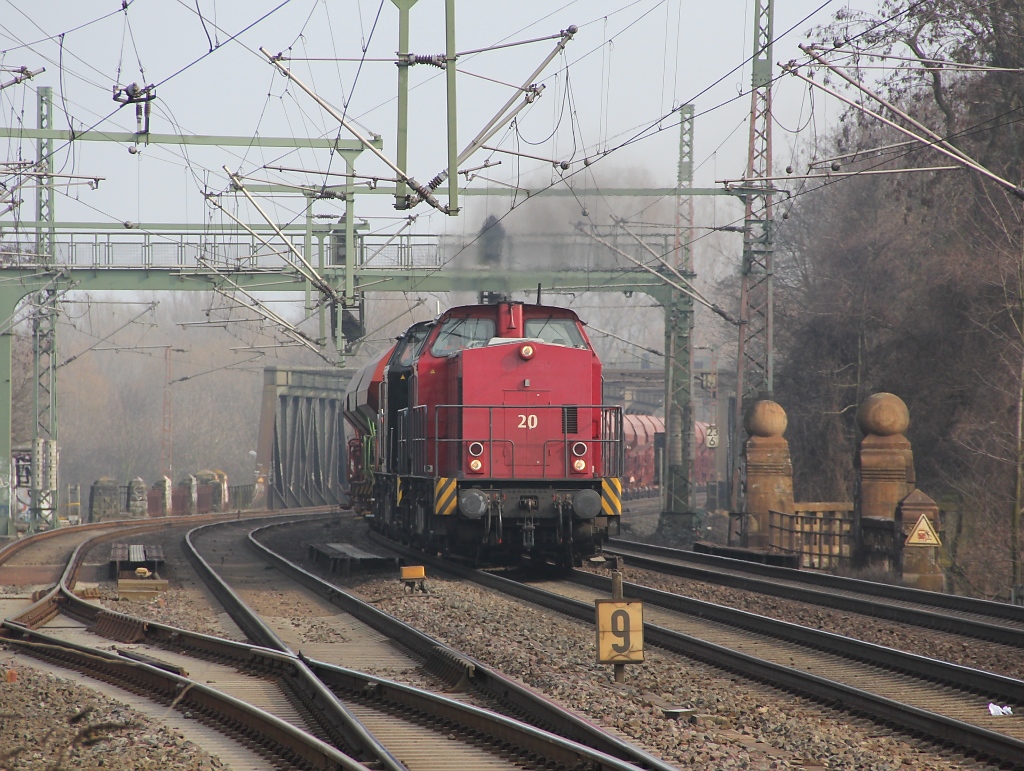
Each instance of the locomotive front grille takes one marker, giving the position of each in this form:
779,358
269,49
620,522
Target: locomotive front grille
570,420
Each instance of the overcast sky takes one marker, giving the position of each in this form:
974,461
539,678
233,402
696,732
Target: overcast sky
628,66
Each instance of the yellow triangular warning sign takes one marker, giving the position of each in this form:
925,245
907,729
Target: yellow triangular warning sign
402,377
432,372
923,534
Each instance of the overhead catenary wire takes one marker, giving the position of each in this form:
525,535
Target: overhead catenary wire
148,309
689,292
216,369
606,333
932,139
369,145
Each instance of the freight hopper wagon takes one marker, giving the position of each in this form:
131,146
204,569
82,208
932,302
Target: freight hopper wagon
482,435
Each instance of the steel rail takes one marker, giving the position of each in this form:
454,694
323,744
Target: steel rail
375,691
528,738
820,588
185,694
20,544
975,680
941,728
268,659
607,750
63,592
334,716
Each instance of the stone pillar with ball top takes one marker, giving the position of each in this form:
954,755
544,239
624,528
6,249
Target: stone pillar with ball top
769,469
885,464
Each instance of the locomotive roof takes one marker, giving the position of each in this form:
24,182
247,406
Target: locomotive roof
490,309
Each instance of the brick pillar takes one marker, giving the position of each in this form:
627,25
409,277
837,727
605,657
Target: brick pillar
222,484
104,500
165,501
885,465
193,493
137,502
920,562
769,469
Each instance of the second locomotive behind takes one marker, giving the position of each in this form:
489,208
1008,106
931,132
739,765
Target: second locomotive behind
482,434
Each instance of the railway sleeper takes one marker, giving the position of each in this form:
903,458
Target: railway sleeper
455,670
116,626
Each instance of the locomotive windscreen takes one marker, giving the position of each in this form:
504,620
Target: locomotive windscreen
459,333
555,331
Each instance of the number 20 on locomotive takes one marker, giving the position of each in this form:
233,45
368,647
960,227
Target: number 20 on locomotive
620,631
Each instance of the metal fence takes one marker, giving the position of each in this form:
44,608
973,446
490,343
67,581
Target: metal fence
223,250
236,249
240,496
821,533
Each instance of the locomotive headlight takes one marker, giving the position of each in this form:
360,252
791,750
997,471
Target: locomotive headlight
476,464
579,465
476,449
526,351
579,449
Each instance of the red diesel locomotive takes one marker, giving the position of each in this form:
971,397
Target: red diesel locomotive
482,434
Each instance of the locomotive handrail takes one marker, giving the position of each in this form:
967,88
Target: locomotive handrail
410,443
610,436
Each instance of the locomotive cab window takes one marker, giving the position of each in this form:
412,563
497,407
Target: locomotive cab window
459,333
411,344
555,331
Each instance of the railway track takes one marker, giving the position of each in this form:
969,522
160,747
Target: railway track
591,745
964,616
945,702
176,668
314,714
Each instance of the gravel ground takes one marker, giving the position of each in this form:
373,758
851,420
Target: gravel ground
187,604
183,607
736,724
51,723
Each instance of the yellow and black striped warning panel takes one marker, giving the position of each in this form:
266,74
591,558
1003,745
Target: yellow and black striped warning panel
445,496
360,490
398,491
611,496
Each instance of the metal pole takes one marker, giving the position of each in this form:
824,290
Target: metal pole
44,190
7,306
754,356
44,335
453,122
677,487
307,249
350,235
402,148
